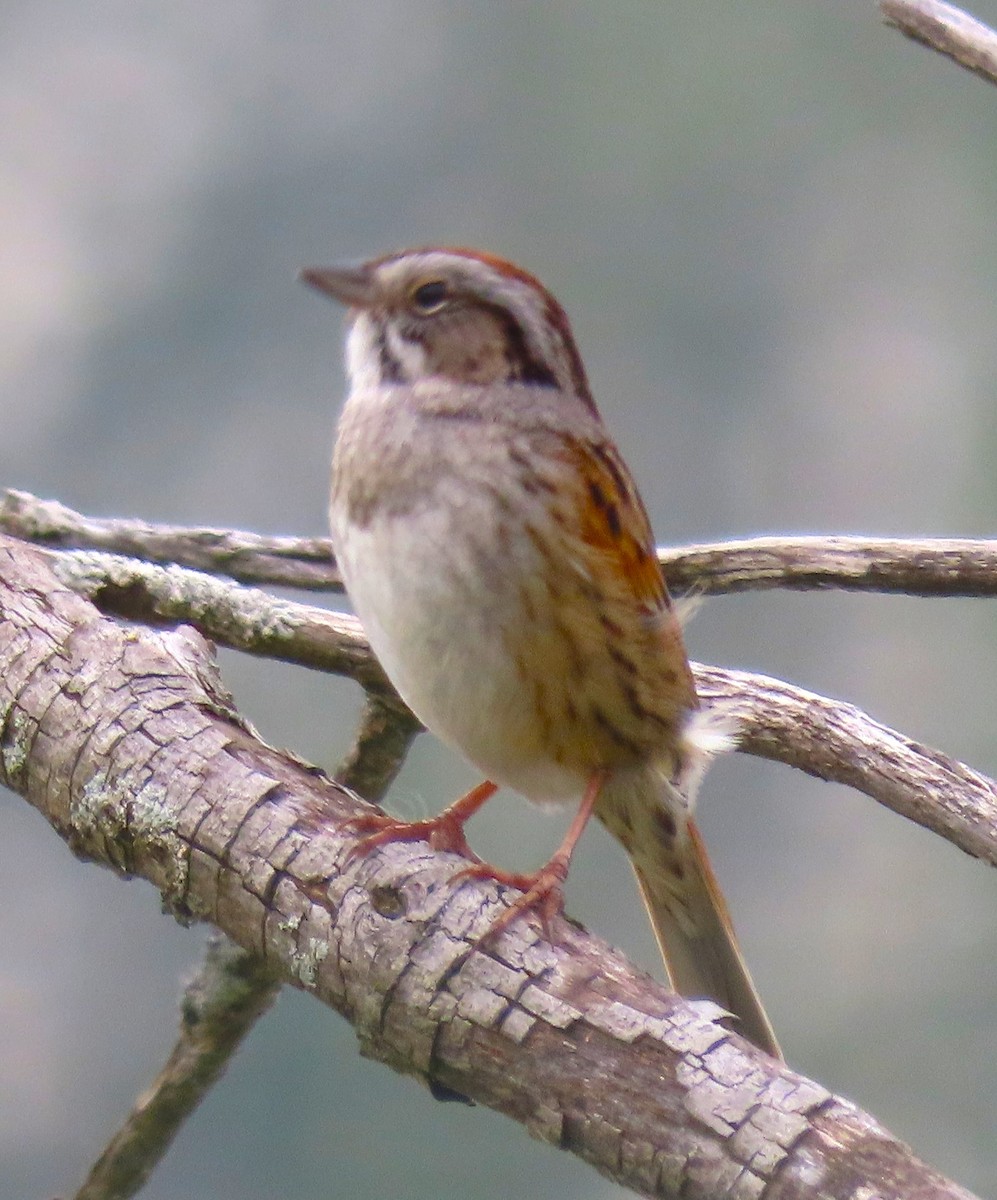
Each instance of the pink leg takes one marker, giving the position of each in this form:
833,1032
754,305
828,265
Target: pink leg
542,891
443,832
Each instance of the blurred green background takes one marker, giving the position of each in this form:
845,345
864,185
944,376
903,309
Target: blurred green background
775,228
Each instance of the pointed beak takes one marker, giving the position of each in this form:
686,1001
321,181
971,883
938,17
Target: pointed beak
355,287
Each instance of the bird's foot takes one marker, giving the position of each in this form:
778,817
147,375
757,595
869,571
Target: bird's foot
379,829
443,832
542,893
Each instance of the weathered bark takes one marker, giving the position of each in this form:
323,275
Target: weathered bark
125,741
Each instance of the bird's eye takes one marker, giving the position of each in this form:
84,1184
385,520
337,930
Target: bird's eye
430,297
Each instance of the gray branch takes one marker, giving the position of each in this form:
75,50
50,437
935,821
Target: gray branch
384,738
908,566
124,741
230,992
242,618
286,561
840,743
947,29
913,566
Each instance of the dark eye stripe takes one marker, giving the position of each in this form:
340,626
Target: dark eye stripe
524,366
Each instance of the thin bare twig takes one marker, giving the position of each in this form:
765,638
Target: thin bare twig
297,562
907,566
383,740
838,742
230,992
913,566
947,29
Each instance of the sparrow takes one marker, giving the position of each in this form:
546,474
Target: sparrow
497,552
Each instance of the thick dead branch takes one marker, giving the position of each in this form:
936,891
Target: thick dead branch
911,566
826,738
123,739
947,29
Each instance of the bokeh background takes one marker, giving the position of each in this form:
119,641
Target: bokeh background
775,227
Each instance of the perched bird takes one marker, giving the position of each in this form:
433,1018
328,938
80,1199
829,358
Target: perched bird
495,548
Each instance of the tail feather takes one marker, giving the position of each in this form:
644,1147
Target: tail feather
687,910
698,944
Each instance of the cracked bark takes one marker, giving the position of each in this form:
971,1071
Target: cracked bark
124,739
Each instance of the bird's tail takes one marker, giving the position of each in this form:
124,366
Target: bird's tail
687,909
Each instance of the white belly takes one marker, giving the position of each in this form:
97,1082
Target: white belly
438,615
